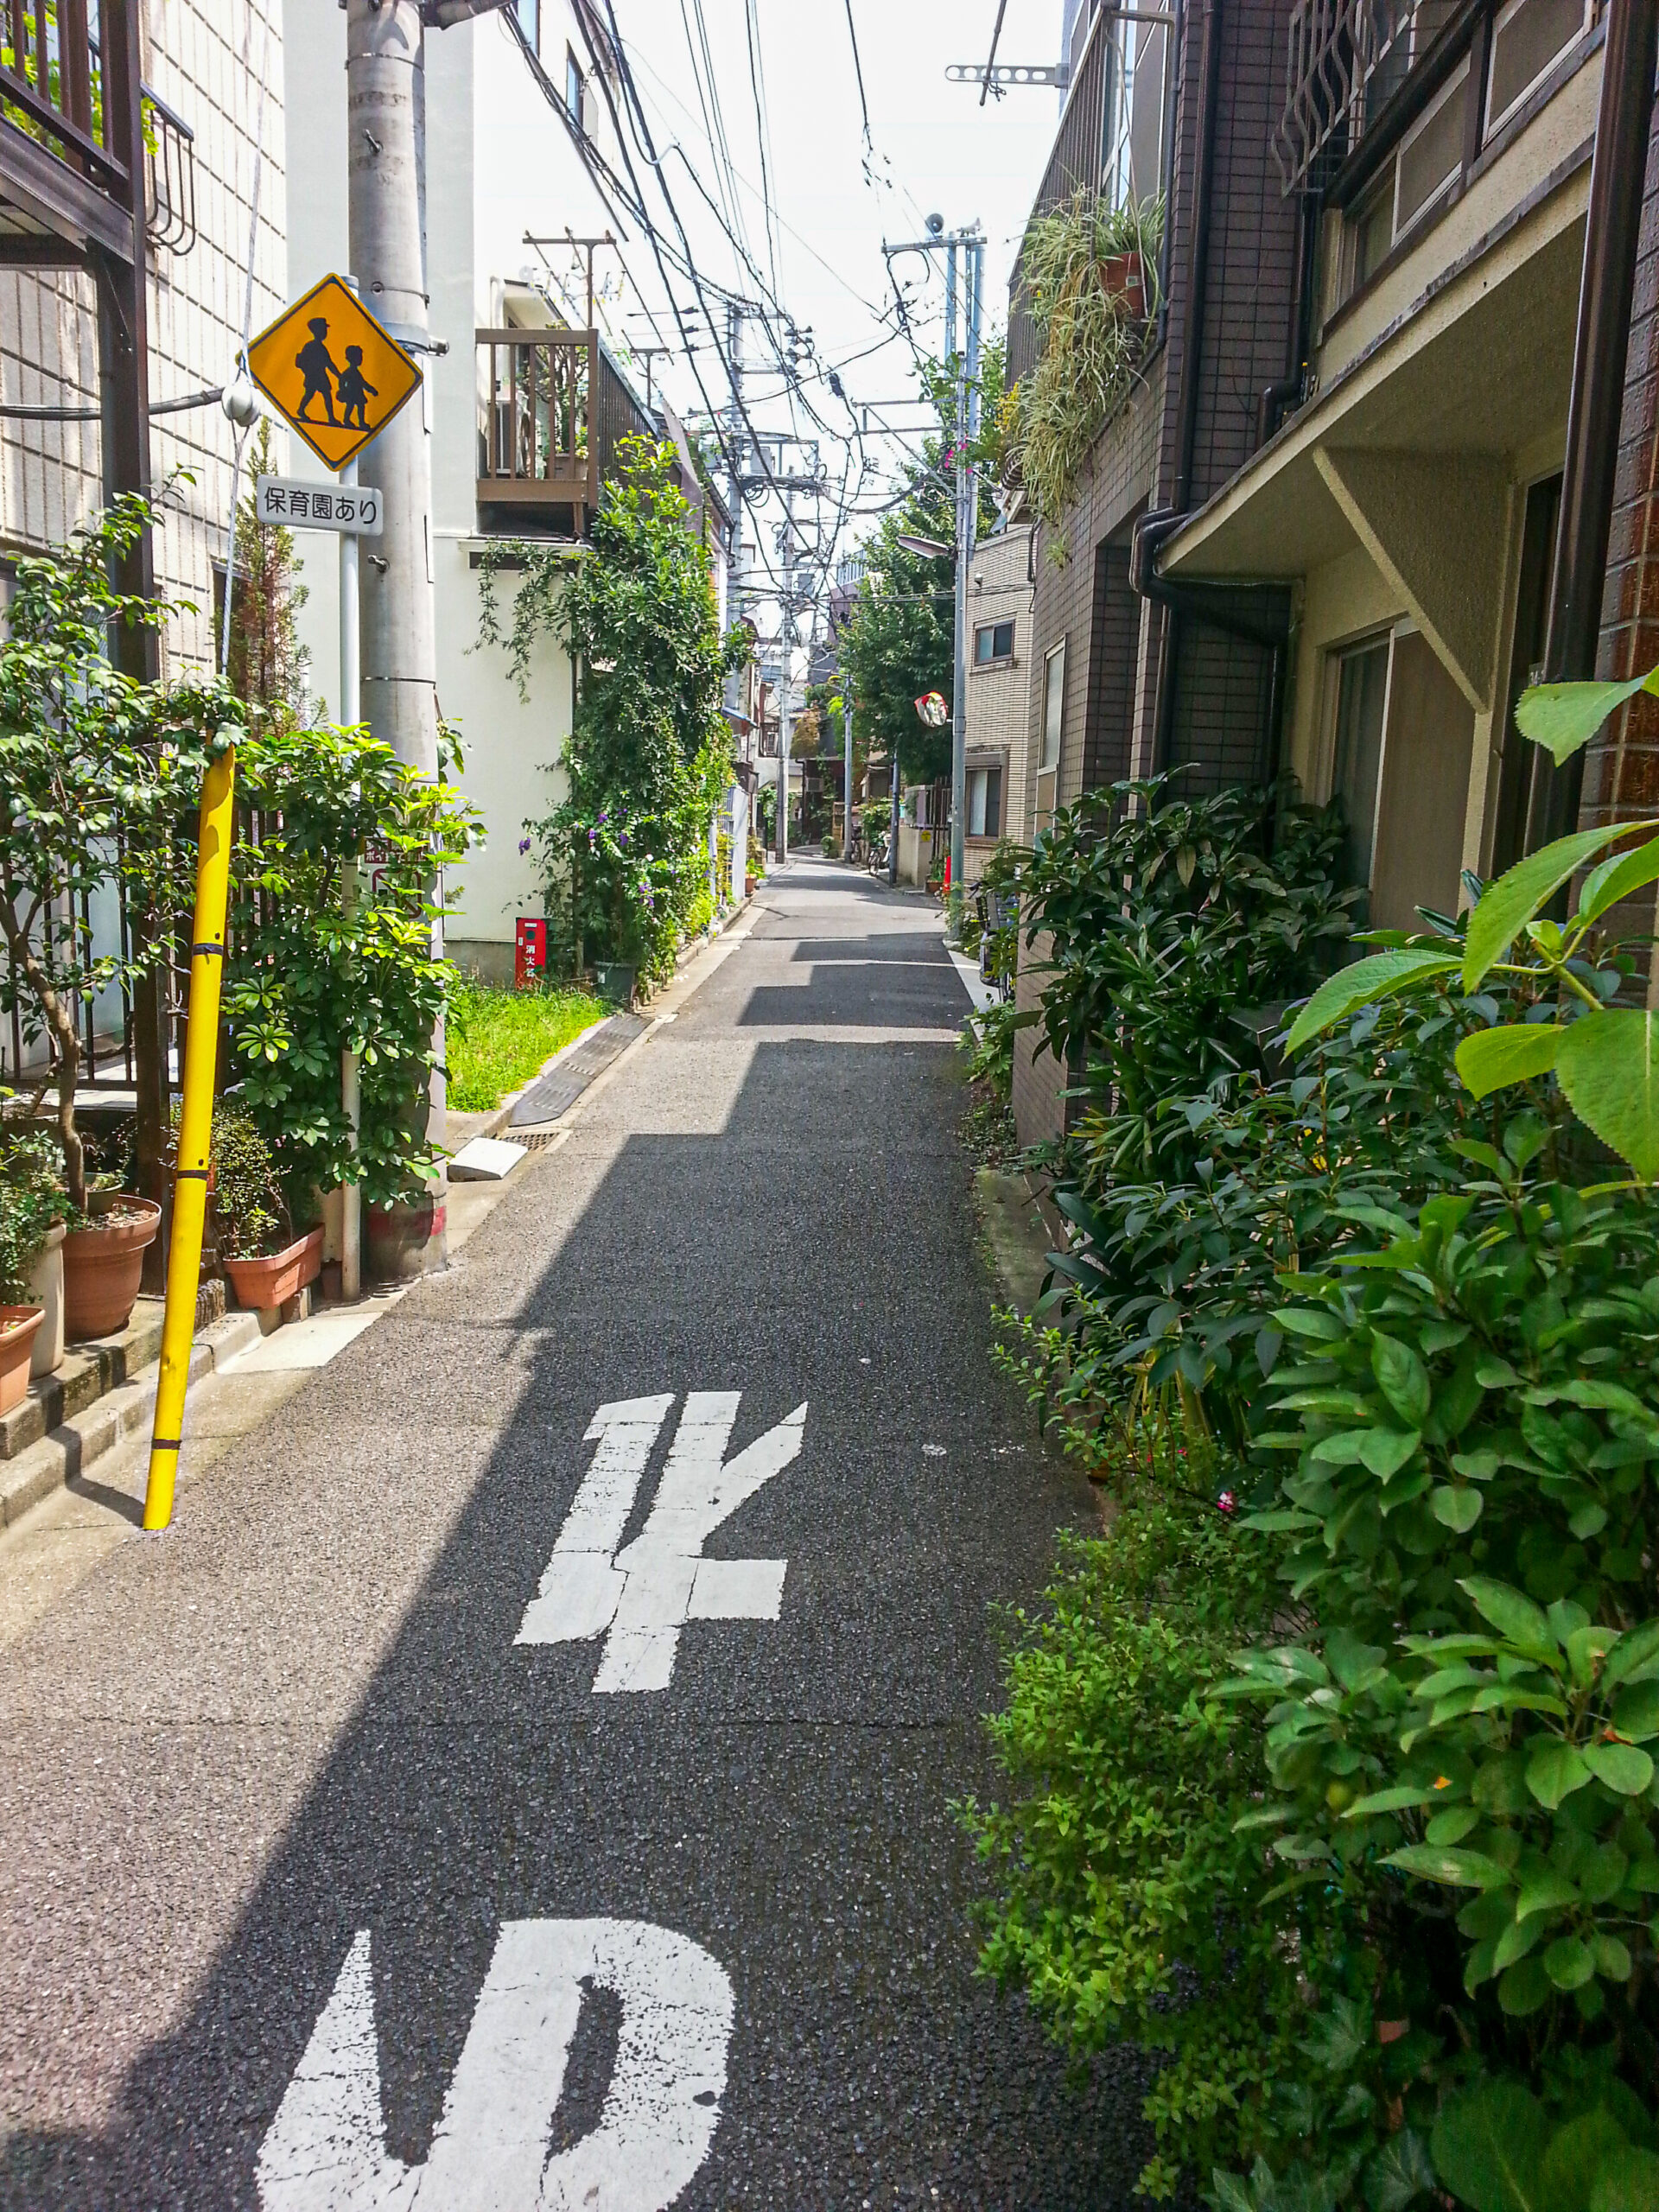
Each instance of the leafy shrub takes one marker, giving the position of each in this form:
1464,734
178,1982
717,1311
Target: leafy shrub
1128,1901
317,965
1177,933
1469,1519
31,1200
252,1214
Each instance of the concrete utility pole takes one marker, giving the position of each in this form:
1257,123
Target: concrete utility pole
970,244
386,113
967,427
386,103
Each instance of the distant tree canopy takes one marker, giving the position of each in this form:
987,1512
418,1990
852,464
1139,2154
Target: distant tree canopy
899,638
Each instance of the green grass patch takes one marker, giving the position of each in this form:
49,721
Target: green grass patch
497,1038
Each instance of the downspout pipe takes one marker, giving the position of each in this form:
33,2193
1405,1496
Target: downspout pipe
1166,520
1286,391
1613,233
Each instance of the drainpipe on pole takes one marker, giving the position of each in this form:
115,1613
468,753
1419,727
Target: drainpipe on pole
1611,237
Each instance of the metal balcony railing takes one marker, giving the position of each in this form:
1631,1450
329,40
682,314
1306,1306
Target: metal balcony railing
1346,59
170,202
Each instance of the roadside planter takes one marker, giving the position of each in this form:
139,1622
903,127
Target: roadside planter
399,1236
104,1263
270,1279
18,1327
45,1286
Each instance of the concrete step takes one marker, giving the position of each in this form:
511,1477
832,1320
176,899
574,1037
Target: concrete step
92,1369
81,1436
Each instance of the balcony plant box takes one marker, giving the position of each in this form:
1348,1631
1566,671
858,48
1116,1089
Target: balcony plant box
18,1327
270,1279
104,1262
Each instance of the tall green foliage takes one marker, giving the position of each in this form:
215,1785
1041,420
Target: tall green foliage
334,896
625,855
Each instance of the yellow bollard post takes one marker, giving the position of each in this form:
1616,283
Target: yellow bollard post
196,1133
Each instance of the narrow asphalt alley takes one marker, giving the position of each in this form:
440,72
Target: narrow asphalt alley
524,1775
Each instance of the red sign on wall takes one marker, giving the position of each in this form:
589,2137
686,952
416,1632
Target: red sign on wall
528,950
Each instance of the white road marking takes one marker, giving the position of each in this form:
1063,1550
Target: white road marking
326,2150
641,1597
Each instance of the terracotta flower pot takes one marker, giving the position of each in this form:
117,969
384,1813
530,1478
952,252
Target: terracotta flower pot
1124,276
17,1327
276,1277
44,1284
104,1263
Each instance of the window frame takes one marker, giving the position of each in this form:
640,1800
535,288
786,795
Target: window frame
993,659
1337,656
1493,120
532,29
1455,91
1054,710
574,79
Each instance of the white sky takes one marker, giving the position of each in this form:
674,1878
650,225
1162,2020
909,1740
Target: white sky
934,149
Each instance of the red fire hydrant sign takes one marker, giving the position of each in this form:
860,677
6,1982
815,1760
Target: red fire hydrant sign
528,950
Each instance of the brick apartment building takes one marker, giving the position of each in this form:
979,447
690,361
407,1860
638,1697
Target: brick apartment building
1393,454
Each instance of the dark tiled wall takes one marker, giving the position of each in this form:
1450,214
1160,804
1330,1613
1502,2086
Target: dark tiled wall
1622,769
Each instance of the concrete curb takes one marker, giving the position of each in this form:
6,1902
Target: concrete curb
80,1440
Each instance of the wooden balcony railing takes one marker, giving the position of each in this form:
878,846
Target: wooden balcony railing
53,88
552,409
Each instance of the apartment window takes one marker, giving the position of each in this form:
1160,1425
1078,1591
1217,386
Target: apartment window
530,22
993,642
1527,38
1048,765
1430,153
1373,232
984,802
573,82
1053,706
1362,706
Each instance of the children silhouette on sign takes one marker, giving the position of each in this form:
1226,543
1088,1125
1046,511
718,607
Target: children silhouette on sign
349,384
314,364
355,390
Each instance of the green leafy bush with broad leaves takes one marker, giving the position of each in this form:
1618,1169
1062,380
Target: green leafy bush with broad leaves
1427,1341
1127,1895
335,891
1176,933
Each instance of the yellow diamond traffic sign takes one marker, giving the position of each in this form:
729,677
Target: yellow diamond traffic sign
331,371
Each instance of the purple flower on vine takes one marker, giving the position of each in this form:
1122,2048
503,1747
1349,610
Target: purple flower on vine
524,845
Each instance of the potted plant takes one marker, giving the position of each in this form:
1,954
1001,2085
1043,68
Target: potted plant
95,769
34,1214
265,1261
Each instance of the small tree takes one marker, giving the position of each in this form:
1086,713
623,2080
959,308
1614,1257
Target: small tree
267,663
95,770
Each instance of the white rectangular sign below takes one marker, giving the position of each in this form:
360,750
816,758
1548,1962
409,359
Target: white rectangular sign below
300,505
